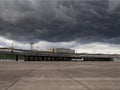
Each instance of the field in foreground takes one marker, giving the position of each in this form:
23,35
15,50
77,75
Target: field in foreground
59,76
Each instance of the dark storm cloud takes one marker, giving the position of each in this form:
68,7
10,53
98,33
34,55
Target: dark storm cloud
60,20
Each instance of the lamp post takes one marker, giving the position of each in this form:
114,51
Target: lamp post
37,49
12,47
31,46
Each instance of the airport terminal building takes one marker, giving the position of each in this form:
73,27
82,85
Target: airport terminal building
54,54
62,54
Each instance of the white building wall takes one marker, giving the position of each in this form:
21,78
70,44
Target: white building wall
117,59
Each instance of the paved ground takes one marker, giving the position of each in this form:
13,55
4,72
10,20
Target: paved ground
59,76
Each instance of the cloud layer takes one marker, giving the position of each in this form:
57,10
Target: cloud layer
96,47
83,21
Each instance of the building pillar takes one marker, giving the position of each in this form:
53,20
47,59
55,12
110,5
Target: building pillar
16,57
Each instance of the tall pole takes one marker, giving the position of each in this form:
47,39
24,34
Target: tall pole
37,49
12,47
31,45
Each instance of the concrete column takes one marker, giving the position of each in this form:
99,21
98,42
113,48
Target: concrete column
16,57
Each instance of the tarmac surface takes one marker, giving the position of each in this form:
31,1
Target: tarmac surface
59,76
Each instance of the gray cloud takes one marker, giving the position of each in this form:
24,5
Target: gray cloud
56,21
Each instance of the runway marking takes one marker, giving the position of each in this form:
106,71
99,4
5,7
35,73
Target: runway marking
99,78
17,80
68,79
69,76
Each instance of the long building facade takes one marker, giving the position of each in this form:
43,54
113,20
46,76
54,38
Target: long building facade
58,54
71,57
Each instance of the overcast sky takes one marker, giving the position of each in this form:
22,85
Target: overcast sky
89,26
